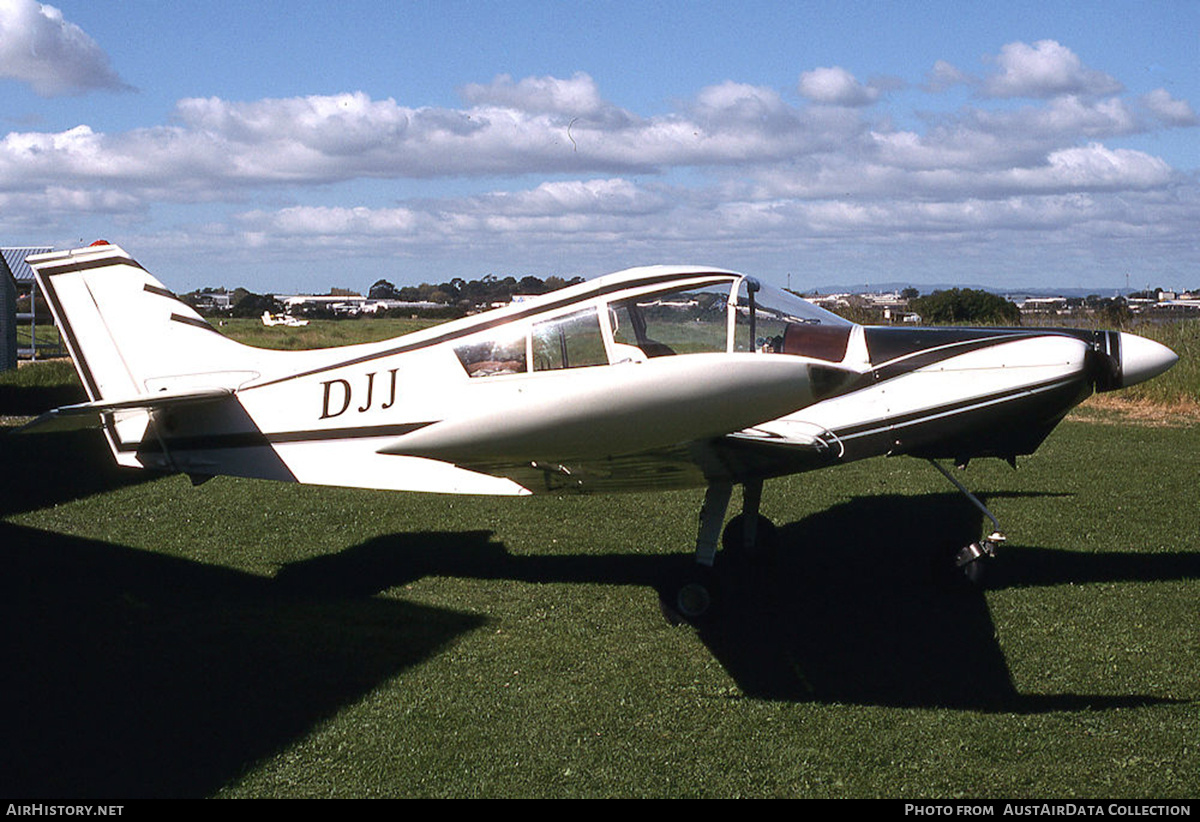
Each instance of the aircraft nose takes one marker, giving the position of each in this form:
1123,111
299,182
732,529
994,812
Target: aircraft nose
1142,359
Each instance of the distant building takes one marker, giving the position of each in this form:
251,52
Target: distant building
1044,305
17,284
375,306
211,300
336,303
8,320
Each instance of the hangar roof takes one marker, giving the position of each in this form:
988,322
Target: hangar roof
14,261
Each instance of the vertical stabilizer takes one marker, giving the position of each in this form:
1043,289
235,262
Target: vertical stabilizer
127,334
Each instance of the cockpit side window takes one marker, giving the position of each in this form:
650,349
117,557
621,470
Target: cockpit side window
687,321
573,341
493,356
570,341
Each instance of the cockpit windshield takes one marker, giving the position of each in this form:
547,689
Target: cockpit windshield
770,320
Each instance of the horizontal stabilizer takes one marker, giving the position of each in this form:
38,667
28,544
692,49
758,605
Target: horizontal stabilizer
91,414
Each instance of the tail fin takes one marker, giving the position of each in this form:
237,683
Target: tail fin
136,346
128,335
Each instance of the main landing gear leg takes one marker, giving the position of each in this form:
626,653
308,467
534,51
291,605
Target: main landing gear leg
968,559
692,596
750,534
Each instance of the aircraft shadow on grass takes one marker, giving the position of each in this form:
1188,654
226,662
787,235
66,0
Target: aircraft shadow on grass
848,610
863,605
131,674
43,470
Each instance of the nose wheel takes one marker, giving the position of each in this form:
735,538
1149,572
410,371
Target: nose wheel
971,560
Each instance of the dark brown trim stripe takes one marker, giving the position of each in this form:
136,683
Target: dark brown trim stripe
258,439
924,415
929,356
194,321
162,292
70,265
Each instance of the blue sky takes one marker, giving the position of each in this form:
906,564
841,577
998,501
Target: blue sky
292,146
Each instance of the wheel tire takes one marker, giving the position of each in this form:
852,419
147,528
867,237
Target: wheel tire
766,538
689,600
976,571
693,600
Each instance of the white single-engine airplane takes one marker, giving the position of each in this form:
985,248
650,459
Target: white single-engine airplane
651,378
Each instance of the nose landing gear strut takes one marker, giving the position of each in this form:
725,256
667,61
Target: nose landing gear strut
970,559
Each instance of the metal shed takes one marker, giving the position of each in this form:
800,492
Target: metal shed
16,280
8,320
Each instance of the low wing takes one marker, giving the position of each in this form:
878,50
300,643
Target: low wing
661,423
628,408
734,458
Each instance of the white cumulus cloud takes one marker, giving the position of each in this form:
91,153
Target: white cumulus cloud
55,57
1045,69
547,168
576,96
836,87
1170,111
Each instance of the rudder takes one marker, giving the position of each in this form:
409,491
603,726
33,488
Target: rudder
127,334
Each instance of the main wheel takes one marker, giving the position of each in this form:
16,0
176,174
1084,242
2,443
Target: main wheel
689,599
693,600
766,538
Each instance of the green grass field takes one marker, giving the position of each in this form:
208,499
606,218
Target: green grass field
319,332
1180,385
252,639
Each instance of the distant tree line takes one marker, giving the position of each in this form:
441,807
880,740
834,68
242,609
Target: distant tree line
965,305
948,307
455,297
242,302
470,293
246,303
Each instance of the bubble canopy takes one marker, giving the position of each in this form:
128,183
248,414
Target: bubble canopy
691,313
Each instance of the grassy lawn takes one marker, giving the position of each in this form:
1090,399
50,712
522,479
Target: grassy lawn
1182,382
319,333
250,639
